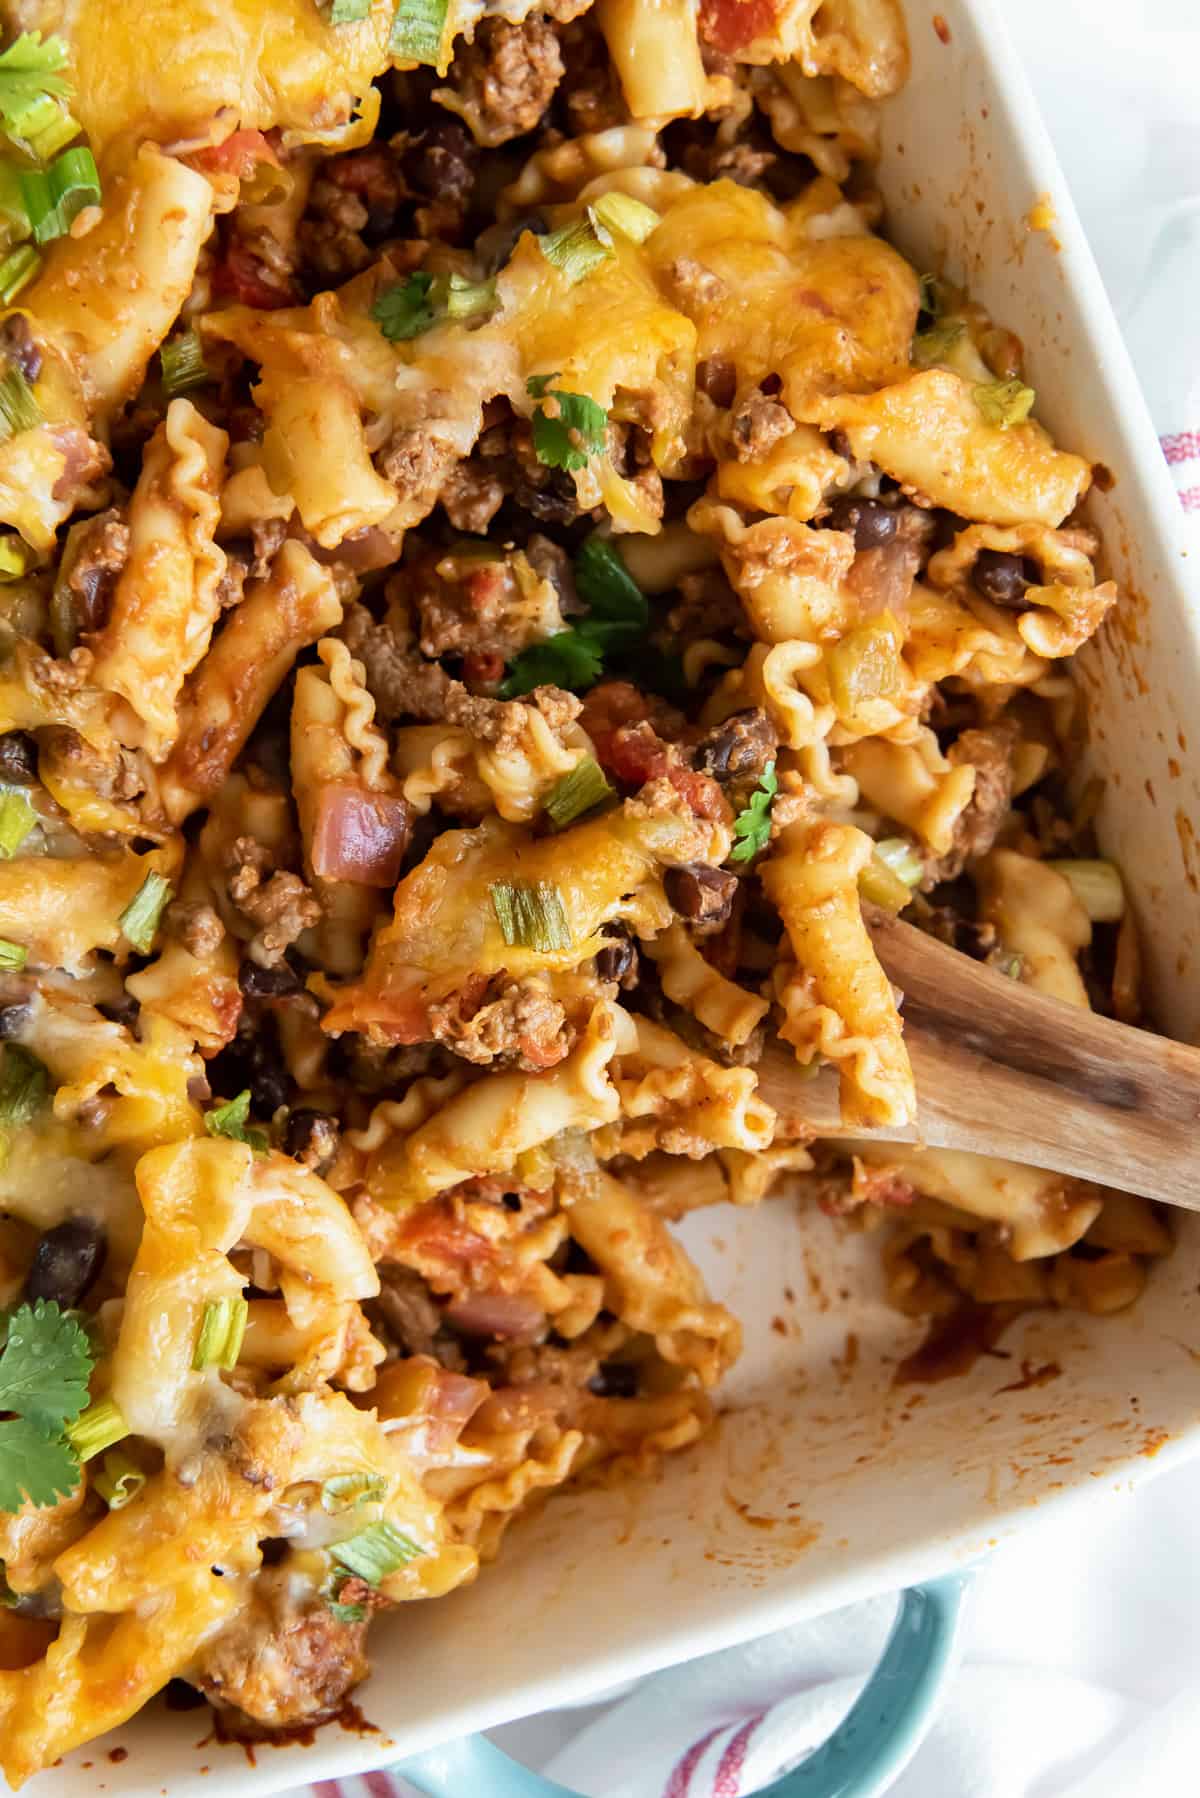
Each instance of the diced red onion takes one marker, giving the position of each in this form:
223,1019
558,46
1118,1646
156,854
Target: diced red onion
509,1315
359,836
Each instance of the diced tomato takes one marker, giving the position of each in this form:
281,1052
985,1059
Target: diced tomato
369,173
886,1187
239,155
635,753
698,791
433,1233
730,25
482,667
240,275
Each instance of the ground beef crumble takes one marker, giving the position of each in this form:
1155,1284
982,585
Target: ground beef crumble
278,905
503,81
284,1658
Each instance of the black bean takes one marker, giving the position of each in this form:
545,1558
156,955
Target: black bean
866,520
703,895
442,162
618,961
13,1019
717,377
1000,577
18,758
616,1379
121,1011
743,745
67,1261
17,338
311,1137
267,983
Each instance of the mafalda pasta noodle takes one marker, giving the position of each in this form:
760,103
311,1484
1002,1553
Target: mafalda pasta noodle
499,557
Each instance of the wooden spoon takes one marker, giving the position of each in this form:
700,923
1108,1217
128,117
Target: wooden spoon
1002,1070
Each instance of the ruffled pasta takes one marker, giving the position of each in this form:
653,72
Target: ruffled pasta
838,1001
168,598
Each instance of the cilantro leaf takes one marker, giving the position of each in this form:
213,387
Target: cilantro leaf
568,428
29,71
405,309
1004,403
45,1366
230,1120
752,828
570,659
612,594
34,1466
619,617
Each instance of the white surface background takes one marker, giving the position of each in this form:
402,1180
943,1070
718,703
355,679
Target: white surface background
1082,1671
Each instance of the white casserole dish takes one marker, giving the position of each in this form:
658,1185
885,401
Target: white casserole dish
823,1482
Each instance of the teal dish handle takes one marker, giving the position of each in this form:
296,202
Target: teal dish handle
869,1749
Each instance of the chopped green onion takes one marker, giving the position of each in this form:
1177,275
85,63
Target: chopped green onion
348,12
183,364
1097,886
935,344
418,31
14,220
1003,403
53,132
17,819
1011,965
13,956
15,558
568,428
143,914
221,1330
531,916
100,1426
346,1491
376,1551
577,248
24,1084
19,410
579,791
900,855
882,886
230,1120
621,212
459,298
55,197
16,271
119,1480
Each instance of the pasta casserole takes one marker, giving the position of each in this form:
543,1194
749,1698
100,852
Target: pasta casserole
502,566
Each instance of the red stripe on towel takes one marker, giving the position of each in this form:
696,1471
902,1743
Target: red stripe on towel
680,1781
380,1785
1189,499
1181,446
728,1782
327,1788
